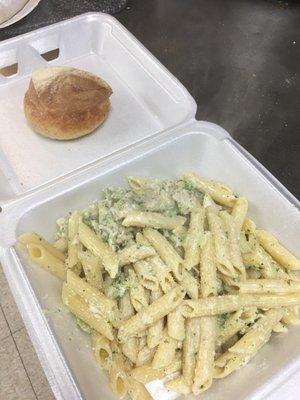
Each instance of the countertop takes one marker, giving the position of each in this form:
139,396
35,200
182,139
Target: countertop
239,59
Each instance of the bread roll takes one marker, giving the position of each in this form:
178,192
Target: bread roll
65,103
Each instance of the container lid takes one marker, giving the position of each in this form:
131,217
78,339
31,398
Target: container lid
146,98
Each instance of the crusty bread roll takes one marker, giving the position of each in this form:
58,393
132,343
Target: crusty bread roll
65,103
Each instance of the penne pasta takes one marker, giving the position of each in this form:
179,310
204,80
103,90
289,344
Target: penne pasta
141,240
233,242
134,253
220,242
178,385
99,248
205,355
74,246
41,256
207,325
162,274
291,316
208,273
189,352
209,203
125,307
137,391
126,310
97,301
138,296
92,268
246,348
130,349
218,191
249,226
146,275
117,375
235,323
155,220
192,241
280,328
82,310
142,340
176,325
229,303
151,314
190,284
277,251
138,184
248,242
239,212
102,349
33,238
165,352
166,251
268,286
146,373
155,332
267,267
61,244
145,356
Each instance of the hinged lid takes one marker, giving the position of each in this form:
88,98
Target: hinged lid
146,99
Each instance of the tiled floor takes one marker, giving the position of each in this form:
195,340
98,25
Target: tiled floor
21,375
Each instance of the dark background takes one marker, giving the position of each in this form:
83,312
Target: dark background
240,60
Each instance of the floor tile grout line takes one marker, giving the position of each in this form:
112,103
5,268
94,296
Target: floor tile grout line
1,307
7,322
25,367
21,359
5,337
10,334
18,330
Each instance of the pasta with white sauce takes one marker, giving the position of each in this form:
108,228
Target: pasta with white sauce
170,276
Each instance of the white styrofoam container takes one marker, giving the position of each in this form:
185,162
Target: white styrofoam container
146,99
151,131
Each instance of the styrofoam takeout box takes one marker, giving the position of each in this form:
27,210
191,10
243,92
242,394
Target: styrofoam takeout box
151,131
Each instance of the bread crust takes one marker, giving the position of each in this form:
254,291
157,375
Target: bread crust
66,103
